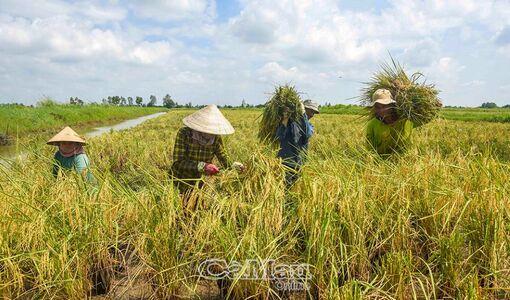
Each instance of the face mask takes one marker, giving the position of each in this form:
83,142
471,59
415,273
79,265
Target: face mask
203,139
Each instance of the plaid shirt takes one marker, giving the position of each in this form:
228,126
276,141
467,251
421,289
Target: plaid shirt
187,155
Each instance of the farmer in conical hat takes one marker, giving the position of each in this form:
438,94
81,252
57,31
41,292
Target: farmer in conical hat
70,154
293,137
386,132
196,144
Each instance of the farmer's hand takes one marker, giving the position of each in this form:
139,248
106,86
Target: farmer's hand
211,169
285,119
238,166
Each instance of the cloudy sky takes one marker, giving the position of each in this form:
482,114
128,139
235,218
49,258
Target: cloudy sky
219,51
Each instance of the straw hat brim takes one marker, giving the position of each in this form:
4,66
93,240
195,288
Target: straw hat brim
385,101
315,109
66,135
209,120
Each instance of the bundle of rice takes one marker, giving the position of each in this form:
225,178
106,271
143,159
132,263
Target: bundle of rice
416,101
284,99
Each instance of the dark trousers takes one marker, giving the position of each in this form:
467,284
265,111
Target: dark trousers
292,174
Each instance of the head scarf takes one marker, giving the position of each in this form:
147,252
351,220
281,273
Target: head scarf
203,139
78,149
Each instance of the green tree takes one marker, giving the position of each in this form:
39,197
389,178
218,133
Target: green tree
139,100
168,102
114,100
152,101
489,105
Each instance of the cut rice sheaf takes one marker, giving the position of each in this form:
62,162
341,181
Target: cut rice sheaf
416,100
284,98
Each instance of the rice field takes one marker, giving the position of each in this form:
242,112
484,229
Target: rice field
431,224
18,121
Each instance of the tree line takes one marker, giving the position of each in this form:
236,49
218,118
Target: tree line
493,105
168,102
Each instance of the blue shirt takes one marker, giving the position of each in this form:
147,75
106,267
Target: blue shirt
293,140
79,163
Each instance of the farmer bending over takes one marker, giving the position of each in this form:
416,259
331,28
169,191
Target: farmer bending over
293,136
386,133
70,154
196,145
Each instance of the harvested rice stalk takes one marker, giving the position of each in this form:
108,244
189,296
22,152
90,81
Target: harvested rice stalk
416,100
284,99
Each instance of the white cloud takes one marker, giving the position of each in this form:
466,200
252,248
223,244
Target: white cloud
92,48
172,10
61,38
91,11
446,68
149,53
186,77
473,83
274,72
313,31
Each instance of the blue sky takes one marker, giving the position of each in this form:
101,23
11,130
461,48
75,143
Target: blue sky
222,52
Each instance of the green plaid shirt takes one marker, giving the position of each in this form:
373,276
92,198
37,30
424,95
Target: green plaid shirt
187,155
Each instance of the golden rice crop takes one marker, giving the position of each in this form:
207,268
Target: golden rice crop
284,99
433,224
416,100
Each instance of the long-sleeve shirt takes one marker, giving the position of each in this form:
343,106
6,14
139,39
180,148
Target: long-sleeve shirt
79,163
187,155
387,139
294,140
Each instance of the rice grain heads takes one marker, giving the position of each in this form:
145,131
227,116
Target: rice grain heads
284,99
416,100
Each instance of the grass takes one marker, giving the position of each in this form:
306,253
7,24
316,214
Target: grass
341,109
498,115
477,114
432,224
17,120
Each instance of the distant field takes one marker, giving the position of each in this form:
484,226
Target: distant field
15,119
343,110
477,114
460,114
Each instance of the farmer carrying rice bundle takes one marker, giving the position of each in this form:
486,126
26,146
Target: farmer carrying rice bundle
386,133
286,121
293,136
70,154
196,144
398,104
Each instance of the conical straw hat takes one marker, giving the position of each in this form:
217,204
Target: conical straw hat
209,120
66,135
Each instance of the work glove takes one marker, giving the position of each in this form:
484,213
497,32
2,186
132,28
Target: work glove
238,166
211,169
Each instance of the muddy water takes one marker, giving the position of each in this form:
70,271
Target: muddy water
124,125
11,152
